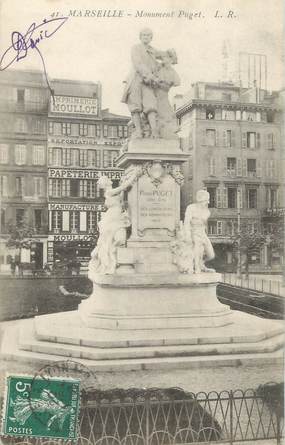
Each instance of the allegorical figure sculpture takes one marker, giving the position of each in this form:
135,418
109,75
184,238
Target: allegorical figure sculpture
192,247
146,91
195,224
112,227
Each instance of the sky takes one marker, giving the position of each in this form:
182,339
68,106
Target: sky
98,49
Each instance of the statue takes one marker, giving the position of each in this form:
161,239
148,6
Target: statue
146,91
112,227
192,247
195,224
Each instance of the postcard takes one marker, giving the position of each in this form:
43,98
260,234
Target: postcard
142,222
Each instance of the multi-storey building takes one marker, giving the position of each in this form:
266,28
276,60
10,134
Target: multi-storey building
233,137
83,143
23,162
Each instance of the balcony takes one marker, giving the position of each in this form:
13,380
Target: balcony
25,107
274,212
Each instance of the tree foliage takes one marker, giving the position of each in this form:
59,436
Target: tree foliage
21,235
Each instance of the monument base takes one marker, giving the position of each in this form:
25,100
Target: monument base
172,322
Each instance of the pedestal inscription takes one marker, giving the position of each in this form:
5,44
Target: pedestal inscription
156,204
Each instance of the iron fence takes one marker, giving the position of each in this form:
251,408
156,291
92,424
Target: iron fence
168,417
254,283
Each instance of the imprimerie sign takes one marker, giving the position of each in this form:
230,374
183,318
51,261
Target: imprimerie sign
83,174
74,105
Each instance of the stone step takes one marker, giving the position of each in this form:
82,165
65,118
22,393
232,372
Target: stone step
56,328
10,351
28,342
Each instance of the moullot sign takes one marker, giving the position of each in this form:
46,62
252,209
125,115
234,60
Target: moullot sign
65,237
74,105
83,174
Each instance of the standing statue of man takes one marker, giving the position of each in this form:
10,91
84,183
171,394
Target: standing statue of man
139,92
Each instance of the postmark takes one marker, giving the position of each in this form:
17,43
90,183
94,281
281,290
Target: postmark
41,407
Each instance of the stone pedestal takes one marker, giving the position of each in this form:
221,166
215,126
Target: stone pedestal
147,315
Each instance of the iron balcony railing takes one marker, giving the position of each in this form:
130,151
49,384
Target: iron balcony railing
172,417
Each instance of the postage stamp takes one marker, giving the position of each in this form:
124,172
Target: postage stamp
46,407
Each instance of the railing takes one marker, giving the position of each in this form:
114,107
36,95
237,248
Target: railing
172,417
255,283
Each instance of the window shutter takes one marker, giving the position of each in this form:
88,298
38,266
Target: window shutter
4,185
274,169
233,141
203,137
219,197
239,167
274,144
258,168
224,138
266,162
277,198
65,221
238,115
225,198
258,116
257,140
225,166
214,166
243,142
244,167
219,227
217,138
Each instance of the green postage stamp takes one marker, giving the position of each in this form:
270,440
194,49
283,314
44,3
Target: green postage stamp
41,406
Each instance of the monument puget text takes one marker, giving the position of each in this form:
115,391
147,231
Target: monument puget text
154,300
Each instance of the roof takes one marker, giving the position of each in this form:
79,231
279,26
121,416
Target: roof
106,114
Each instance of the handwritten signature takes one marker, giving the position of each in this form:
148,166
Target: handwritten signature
21,43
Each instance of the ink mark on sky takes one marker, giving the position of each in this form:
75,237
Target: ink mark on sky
21,43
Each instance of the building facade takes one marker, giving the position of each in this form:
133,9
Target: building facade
83,144
23,161
233,136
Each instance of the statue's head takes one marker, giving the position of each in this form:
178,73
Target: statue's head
146,35
104,182
202,196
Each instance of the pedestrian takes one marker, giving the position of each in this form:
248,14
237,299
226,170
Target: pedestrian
13,267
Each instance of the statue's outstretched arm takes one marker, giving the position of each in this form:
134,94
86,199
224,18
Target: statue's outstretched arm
127,183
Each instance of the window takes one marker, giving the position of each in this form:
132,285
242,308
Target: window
19,185
55,188
227,138
91,221
91,130
74,220
125,131
110,157
93,158
231,166
3,219
56,157
50,128
74,187
112,131
39,186
91,189
66,128
228,115
251,116
57,128
211,137
83,129
38,155
56,220
270,141
105,131
3,153
252,198
251,167
83,158
66,154
98,131
232,198
212,193
20,215
271,198
250,140
226,97
20,154
230,228
20,96
38,218
20,125
212,227
65,191
270,116
74,157
4,186
38,126
210,113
